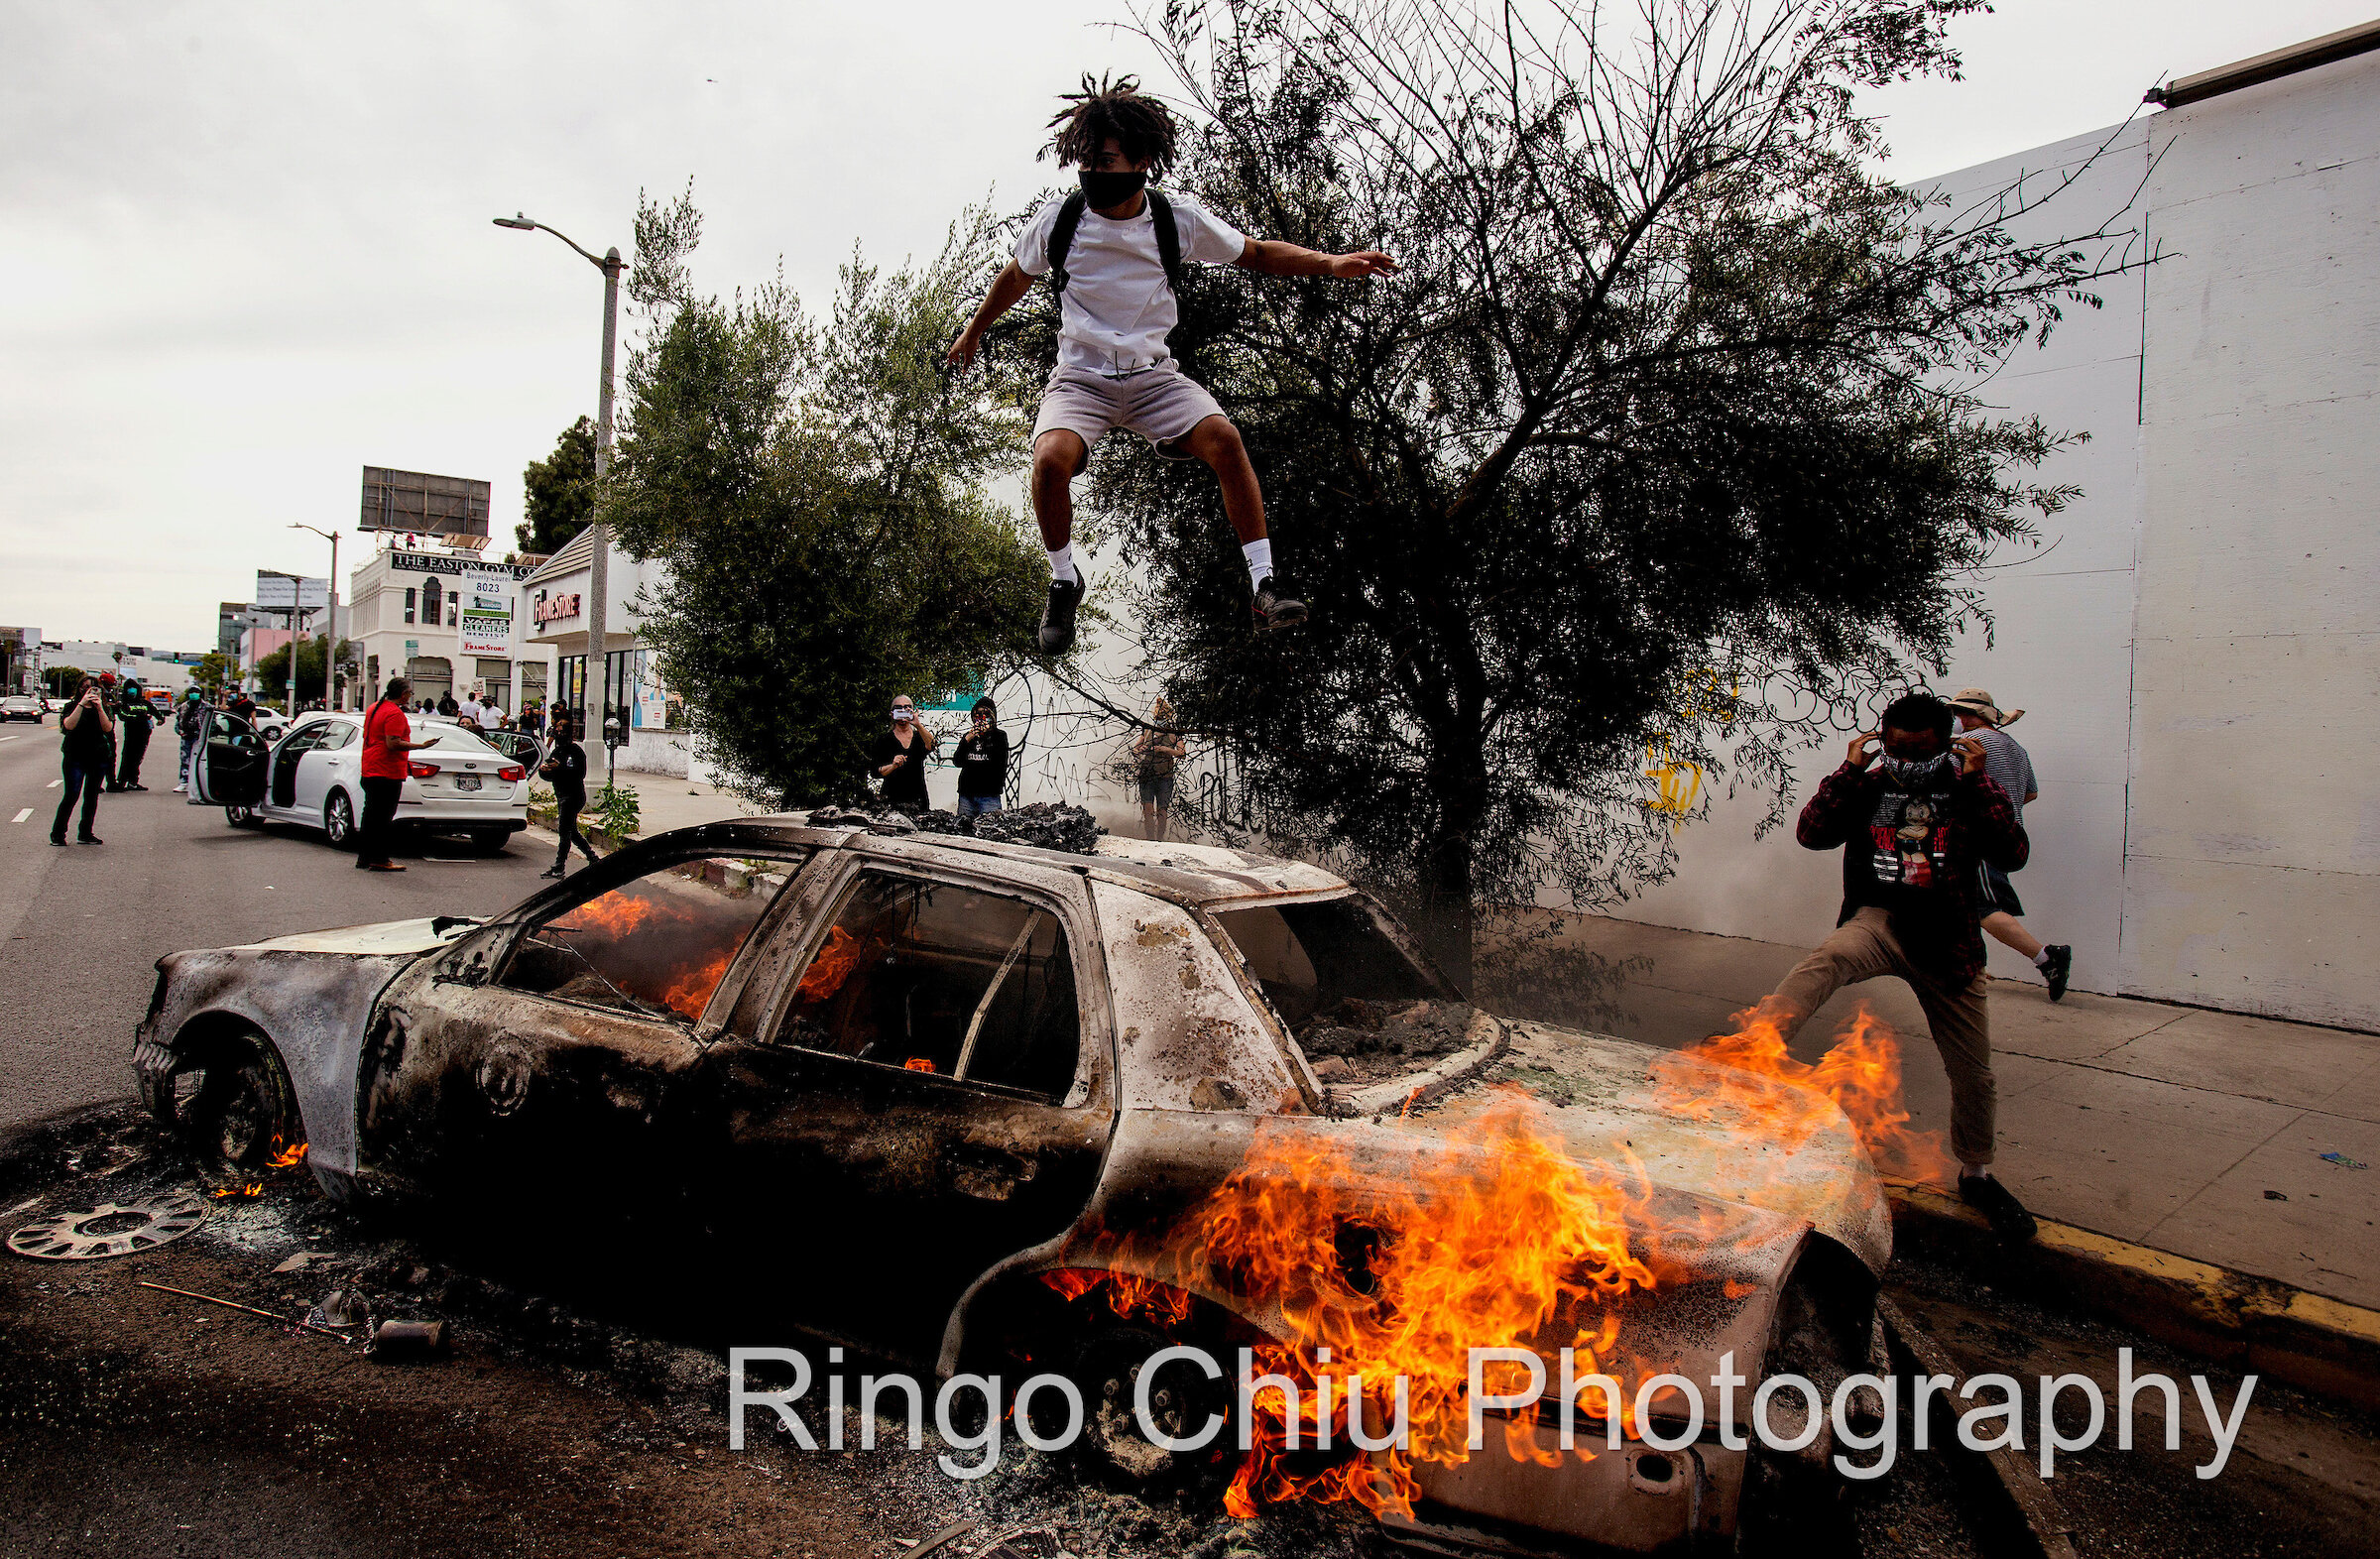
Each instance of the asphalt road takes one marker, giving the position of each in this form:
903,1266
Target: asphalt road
86,923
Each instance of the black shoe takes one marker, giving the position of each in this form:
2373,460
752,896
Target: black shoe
1057,618
58,839
553,871
2061,964
1994,1201
1275,608
88,839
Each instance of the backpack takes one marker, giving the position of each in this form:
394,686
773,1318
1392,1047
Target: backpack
1070,217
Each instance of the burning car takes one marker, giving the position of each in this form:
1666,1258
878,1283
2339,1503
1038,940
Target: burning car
1079,1087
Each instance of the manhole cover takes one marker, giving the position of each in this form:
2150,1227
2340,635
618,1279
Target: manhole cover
110,1229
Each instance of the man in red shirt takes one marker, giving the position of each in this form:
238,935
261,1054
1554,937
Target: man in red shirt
388,737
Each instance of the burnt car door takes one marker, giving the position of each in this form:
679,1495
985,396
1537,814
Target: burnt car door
929,1089
231,763
540,1060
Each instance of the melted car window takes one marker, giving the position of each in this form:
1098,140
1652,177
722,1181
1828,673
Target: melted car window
936,978
657,946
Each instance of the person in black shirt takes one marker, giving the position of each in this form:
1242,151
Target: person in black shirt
982,756
134,714
84,755
899,757
566,766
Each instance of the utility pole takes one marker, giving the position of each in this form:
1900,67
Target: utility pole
331,657
599,561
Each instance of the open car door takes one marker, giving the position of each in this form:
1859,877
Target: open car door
231,763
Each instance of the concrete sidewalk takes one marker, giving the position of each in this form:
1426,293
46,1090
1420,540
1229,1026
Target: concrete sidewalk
2194,1131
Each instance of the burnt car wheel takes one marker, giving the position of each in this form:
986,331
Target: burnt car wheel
241,1113
1107,1372
338,820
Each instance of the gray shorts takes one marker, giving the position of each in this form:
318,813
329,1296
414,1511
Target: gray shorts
1156,791
1160,403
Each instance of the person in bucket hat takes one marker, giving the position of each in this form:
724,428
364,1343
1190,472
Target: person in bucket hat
1981,717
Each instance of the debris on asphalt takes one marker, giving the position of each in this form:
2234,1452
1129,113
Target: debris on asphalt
248,1309
401,1340
2275,1196
919,1548
110,1229
341,1307
2343,1161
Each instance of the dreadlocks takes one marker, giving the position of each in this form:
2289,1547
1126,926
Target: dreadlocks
1104,108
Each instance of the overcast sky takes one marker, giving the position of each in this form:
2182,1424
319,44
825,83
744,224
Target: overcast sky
246,248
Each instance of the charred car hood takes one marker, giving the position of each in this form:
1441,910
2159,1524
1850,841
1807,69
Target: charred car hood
313,993
1601,1095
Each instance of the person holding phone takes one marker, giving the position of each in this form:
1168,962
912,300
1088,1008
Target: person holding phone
86,750
982,756
388,737
1916,822
899,757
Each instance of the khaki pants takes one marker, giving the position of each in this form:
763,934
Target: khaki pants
1864,948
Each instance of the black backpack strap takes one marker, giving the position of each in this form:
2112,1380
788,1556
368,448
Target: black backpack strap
1169,240
1061,238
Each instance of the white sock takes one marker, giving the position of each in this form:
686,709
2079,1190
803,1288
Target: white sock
2041,960
1258,553
1061,563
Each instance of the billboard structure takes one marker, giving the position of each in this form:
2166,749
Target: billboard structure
453,509
285,593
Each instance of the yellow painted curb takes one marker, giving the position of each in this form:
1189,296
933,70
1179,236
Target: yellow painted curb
2310,1340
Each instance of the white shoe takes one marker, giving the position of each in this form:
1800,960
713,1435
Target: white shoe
182,790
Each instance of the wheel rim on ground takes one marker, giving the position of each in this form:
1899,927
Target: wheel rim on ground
338,820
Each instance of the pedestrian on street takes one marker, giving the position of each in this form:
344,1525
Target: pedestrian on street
2009,764
1916,832
82,747
1156,752
135,718
189,724
388,737
982,756
899,757
448,706
565,766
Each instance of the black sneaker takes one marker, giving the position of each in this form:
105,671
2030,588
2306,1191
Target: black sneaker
1997,1202
1275,608
1057,618
88,839
2061,964
58,840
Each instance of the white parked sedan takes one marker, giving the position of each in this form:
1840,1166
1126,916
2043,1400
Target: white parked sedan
314,775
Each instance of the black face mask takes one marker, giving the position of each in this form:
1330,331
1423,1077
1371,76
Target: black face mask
1106,191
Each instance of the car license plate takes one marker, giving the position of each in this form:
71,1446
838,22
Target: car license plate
466,782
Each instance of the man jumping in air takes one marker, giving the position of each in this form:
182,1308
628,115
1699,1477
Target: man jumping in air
1113,253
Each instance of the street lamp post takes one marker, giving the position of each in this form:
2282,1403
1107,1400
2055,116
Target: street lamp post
599,556
330,655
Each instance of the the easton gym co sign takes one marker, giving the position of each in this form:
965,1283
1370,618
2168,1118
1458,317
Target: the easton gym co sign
555,607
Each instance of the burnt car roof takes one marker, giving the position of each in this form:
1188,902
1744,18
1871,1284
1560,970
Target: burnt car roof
1205,875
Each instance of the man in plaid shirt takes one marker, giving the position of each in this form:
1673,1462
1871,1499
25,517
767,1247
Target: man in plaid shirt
1914,829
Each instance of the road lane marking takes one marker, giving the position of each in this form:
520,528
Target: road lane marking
21,816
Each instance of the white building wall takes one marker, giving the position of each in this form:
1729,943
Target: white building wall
2255,822
2200,651
2061,645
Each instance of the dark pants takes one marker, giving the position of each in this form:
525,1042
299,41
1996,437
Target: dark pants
380,808
567,826
136,748
84,781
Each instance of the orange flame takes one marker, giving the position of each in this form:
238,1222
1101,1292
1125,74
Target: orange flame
687,984
833,965
1493,1237
1860,1075
285,1158
255,1189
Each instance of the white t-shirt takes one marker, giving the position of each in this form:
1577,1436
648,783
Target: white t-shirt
1118,308
473,711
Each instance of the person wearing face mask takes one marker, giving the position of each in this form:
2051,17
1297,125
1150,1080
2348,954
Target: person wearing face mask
982,756
1917,824
899,757
1114,254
